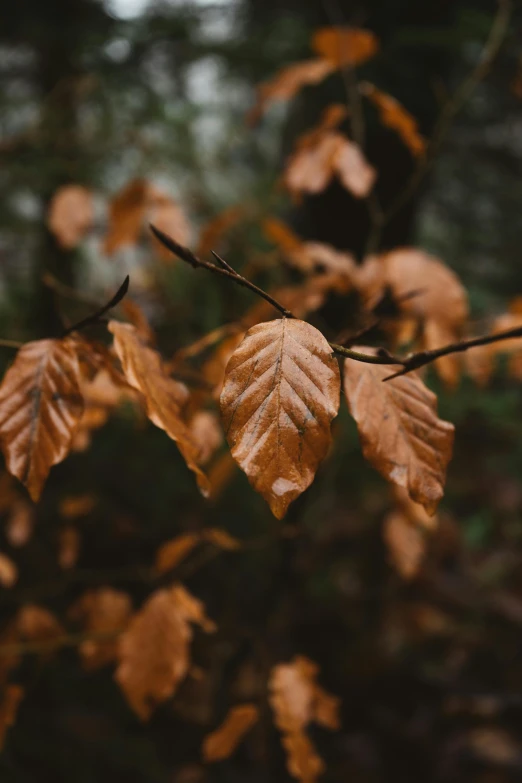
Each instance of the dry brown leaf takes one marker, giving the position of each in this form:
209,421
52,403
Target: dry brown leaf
104,613
424,287
280,395
40,409
126,215
406,544
221,539
71,215
212,233
75,506
207,433
287,82
68,547
395,116
163,395
172,553
221,473
344,46
400,432
20,523
222,742
36,624
330,260
296,701
8,571
12,696
288,242
312,166
154,650
416,513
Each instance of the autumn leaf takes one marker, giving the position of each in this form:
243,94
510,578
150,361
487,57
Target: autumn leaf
8,571
297,700
40,409
405,542
207,433
401,434
74,506
137,318
104,614
222,742
20,523
280,395
320,157
9,704
436,335
126,215
213,232
344,46
287,83
163,395
173,552
308,257
154,651
328,259
423,286
395,116
166,214
71,215
68,547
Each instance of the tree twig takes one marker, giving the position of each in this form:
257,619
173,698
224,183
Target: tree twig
98,315
382,355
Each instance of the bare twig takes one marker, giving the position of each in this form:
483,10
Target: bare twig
98,315
382,356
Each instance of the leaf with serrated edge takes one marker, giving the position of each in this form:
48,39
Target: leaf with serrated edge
400,432
280,395
40,409
163,395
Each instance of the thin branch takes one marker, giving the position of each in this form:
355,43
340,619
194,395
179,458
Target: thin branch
454,105
382,356
186,255
422,358
10,344
96,317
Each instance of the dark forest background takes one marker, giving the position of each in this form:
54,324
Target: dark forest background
429,670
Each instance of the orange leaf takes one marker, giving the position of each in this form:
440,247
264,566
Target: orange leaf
173,552
166,214
296,701
395,116
104,613
126,215
71,215
137,317
436,335
11,699
75,506
163,396
344,46
280,395
207,433
213,231
312,166
40,409
154,650
222,742
20,523
8,571
401,435
406,544
287,82
422,284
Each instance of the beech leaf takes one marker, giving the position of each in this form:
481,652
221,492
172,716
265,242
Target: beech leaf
222,742
297,700
401,434
163,395
396,117
344,46
154,650
40,409
71,215
280,394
